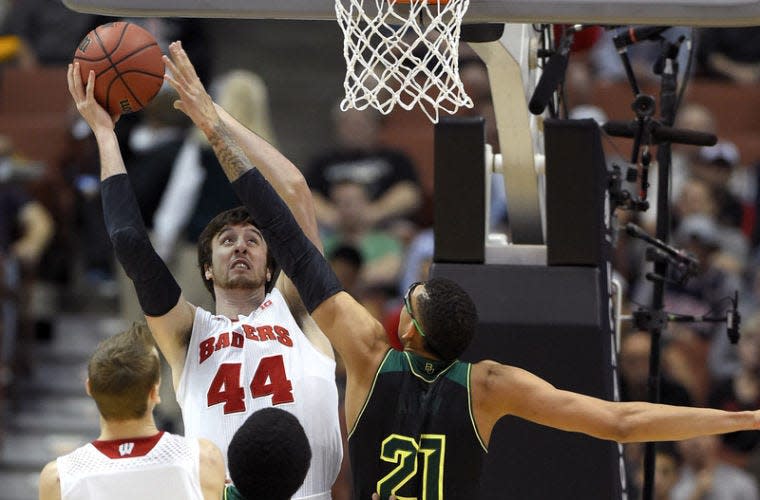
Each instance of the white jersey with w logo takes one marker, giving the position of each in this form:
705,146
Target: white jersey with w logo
162,467
237,366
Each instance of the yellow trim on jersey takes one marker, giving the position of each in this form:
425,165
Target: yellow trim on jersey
420,376
469,408
369,394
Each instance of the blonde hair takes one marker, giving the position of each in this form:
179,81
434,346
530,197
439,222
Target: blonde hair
244,95
123,370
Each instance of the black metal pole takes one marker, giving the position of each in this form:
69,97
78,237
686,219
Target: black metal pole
667,114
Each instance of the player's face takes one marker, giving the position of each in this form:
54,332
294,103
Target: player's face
238,258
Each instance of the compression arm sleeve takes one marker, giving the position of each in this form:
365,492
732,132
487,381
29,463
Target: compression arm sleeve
294,252
156,288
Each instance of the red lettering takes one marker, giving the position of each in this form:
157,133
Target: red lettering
206,349
283,336
223,341
265,333
270,378
226,388
266,304
250,332
237,340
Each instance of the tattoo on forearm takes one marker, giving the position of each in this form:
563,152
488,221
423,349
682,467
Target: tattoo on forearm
231,156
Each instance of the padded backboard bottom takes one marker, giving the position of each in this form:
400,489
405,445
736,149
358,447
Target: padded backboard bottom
662,12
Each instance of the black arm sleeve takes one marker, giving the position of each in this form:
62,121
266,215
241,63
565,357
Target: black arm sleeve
156,288
294,252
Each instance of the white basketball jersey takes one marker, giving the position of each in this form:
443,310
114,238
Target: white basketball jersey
235,367
164,467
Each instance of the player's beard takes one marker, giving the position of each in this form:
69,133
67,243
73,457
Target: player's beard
243,281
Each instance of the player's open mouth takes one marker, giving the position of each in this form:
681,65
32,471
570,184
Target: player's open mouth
240,264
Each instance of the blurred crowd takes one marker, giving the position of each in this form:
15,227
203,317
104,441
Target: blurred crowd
376,229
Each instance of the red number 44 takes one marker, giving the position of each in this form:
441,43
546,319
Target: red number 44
269,379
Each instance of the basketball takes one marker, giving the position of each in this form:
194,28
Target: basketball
127,62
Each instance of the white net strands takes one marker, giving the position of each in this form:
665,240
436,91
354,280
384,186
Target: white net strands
402,52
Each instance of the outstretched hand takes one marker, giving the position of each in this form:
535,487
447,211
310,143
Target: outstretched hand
93,113
193,100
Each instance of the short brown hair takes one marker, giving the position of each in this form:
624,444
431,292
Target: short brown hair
122,371
231,217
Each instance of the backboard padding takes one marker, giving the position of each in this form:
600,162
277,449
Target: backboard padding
662,12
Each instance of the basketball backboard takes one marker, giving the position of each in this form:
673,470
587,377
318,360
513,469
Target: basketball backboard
661,12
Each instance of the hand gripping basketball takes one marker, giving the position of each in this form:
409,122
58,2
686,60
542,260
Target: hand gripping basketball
127,62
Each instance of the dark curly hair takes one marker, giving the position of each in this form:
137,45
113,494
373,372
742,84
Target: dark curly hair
269,455
448,317
231,217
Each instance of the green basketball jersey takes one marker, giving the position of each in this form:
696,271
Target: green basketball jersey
232,493
416,436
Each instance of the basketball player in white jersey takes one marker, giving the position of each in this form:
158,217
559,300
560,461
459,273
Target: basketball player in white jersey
260,347
131,458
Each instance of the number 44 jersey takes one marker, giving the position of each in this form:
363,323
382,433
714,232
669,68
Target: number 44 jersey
237,366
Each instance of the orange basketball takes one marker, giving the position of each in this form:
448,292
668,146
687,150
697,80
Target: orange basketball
127,62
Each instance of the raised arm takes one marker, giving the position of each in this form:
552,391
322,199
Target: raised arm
291,185
238,150
355,334
281,173
169,315
500,390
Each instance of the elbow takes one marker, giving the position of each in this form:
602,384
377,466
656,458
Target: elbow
615,423
622,427
622,433
296,188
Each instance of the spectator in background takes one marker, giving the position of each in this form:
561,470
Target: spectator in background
731,54
741,391
705,344
705,475
691,116
387,175
667,472
716,165
635,350
26,229
381,252
82,165
347,262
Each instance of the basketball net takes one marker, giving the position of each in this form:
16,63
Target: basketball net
402,52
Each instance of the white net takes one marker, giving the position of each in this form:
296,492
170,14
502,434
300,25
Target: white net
402,52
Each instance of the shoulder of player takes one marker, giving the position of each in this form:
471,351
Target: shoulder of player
490,376
343,311
210,455
212,470
50,482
